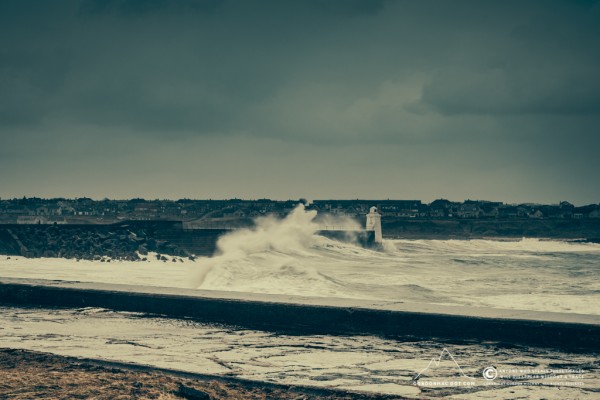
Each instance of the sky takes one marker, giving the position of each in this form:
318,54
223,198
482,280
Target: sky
494,100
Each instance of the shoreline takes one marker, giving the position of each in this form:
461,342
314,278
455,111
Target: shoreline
507,238
494,238
25,374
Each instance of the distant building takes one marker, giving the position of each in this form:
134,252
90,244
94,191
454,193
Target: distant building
536,214
470,210
594,213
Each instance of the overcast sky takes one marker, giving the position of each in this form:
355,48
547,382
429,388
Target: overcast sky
494,100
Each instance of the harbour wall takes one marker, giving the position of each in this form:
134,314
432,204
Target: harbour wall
307,315
127,239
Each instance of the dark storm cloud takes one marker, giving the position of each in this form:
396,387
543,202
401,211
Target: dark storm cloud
161,65
501,91
454,92
547,64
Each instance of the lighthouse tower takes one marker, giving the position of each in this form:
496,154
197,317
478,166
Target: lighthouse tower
374,224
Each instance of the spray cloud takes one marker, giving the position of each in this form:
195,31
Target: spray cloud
274,245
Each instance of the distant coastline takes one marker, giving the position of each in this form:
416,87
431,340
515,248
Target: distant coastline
102,230
239,212
586,230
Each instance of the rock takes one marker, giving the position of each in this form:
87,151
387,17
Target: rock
191,394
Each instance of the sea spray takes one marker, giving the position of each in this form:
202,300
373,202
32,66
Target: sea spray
291,234
275,249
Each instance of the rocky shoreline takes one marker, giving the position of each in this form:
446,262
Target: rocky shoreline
88,242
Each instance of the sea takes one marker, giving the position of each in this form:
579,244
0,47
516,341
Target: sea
287,256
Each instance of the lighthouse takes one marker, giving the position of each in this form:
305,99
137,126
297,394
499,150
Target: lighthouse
374,224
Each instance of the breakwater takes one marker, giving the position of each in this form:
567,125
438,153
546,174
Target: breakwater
128,240
302,315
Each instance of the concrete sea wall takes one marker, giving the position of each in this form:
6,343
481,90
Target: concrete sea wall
303,315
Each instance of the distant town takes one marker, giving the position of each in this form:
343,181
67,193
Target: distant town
236,212
90,229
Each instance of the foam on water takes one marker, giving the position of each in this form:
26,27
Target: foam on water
361,362
286,257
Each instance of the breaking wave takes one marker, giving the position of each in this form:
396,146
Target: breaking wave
278,256
287,256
